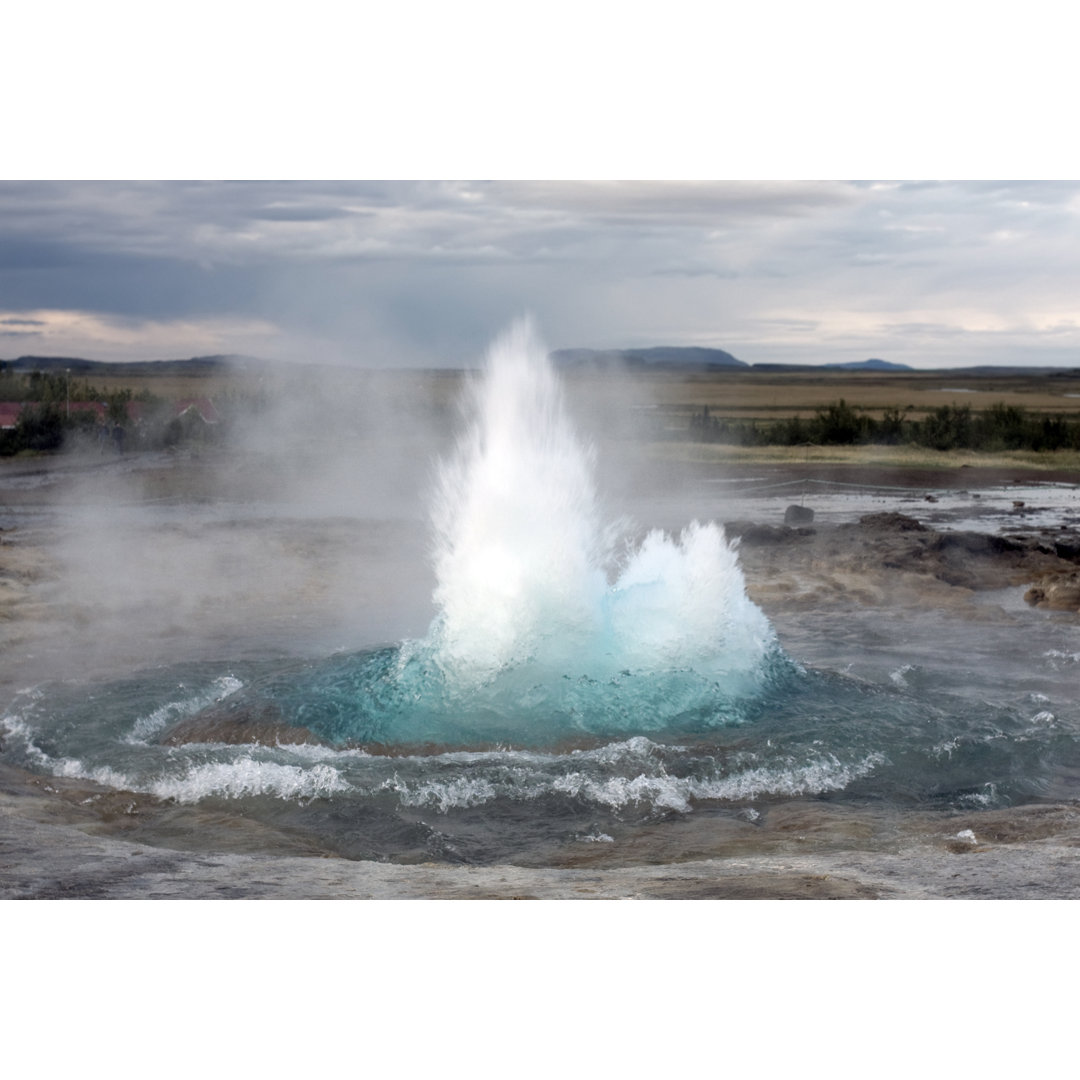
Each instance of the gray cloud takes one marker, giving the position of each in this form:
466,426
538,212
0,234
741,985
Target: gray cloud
627,203
299,213
909,329
693,271
789,325
428,272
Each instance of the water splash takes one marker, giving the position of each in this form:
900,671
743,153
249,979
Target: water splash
519,546
536,611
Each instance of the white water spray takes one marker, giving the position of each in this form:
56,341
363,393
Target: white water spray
525,569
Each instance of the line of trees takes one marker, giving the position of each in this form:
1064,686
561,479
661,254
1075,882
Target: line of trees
47,420
45,387
949,427
47,426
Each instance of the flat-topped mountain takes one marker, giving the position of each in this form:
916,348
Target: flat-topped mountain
661,356
869,365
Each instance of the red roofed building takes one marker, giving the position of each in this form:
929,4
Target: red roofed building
203,406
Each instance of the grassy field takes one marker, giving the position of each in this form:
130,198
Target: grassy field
773,395
441,384
658,405
750,394
885,457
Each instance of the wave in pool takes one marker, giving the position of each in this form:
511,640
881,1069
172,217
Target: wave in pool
804,733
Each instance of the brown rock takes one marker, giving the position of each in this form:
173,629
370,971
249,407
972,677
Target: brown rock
1056,592
747,532
237,726
892,521
1067,549
798,515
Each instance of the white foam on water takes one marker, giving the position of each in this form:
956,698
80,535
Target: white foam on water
636,749
70,768
682,604
229,780
985,798
657,791
1057,658
813,778
945,748
146,727
248,777
17,727
321,752
444,795
629,751
899,676
74,769
235,779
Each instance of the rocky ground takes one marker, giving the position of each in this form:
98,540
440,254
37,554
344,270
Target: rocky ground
892,558
1022,853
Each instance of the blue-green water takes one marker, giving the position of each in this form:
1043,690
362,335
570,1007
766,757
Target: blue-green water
391,769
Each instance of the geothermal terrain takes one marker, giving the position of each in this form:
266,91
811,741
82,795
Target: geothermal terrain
306,533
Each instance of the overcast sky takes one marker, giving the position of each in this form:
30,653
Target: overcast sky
928,274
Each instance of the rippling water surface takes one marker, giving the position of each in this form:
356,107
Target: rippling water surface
923,737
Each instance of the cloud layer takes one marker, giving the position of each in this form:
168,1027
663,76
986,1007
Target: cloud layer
426,273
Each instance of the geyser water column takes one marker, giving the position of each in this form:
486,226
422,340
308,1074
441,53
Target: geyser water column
527,578
519,549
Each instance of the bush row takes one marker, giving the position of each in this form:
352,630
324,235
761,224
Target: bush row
47,426
950,427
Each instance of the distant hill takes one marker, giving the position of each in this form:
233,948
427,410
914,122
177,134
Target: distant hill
51,363
1009,369
869,365
197,365
662,356
659,358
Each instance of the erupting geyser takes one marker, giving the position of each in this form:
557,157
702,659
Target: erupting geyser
519,547
534,601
